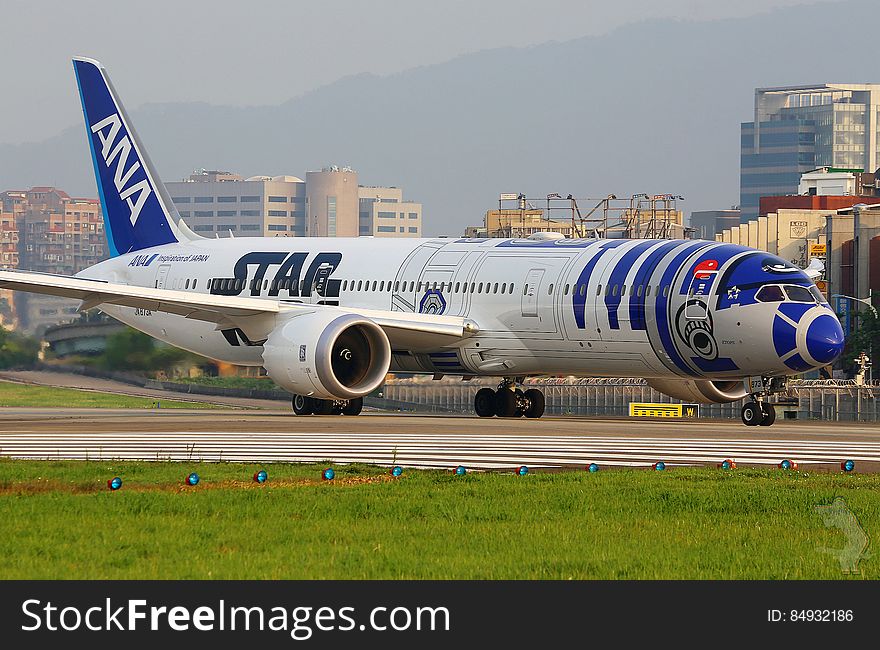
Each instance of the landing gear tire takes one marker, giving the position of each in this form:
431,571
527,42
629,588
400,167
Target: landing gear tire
323,407
484,402
752,414
353,407
506,403
769,414
302,405
535,409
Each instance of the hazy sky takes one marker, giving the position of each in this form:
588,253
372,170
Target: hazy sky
264,52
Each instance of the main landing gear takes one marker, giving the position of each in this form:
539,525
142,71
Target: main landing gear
509,401
304,405
758,411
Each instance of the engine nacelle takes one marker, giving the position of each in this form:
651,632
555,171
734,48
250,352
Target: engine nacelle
701,391
327,355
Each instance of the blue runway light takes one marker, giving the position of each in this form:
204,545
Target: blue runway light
461,470
788,464
114,483
592,467
328,474
727,464
261,476
848,465
659,466
523,470
396,471
192,479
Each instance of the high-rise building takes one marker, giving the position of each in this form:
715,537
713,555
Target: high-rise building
332,197
55,233
384,213
328,204
218,203
799,128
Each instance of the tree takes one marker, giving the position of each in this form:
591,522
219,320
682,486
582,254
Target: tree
17,351
133,350
865,336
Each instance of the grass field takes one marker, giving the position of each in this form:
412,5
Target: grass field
28,395
59,520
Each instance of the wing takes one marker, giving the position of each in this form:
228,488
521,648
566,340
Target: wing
255,314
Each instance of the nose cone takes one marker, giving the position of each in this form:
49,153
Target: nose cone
825,339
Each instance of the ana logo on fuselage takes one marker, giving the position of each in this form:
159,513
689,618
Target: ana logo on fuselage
135,194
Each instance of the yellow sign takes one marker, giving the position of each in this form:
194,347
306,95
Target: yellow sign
822,286
818,250
651,410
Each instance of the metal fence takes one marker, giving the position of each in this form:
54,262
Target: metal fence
832,400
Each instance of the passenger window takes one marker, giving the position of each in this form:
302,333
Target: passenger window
494,289
639,291
614,290
187,284
457,286
666,291
771,293
798,294
598,290
196,280
360,284
623,290
382,286
480,288
550,290
565,290
648,290
374,285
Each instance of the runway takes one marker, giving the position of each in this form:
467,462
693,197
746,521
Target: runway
428,442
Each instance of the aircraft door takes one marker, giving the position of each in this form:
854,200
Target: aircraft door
162,275
697,306
530,293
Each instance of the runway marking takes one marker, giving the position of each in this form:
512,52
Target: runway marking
427,450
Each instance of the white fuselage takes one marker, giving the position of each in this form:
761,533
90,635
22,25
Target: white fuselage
543,307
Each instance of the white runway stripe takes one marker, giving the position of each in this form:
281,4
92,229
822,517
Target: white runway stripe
427,450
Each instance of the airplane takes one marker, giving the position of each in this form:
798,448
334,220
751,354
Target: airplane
328,318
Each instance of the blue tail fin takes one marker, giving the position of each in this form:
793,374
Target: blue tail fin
137,210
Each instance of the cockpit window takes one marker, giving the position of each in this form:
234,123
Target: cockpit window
817,294
770,293
799,294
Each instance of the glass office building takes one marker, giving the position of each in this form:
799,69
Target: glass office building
799,128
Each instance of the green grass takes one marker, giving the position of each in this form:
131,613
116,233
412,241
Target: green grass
60,521
27,395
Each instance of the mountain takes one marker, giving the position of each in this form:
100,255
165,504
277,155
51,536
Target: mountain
652,107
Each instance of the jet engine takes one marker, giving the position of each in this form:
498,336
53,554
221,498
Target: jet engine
327,355
700,391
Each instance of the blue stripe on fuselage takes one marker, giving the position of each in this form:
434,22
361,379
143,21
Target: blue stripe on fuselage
618,278
579,301
643,278
661,303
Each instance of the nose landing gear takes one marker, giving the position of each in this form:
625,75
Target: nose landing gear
509,401
758,411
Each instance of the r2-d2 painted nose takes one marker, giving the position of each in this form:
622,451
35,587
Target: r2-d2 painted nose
824,339
807,337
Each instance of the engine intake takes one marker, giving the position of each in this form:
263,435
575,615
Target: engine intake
702,391
328,355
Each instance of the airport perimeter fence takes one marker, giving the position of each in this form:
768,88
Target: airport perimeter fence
829,400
